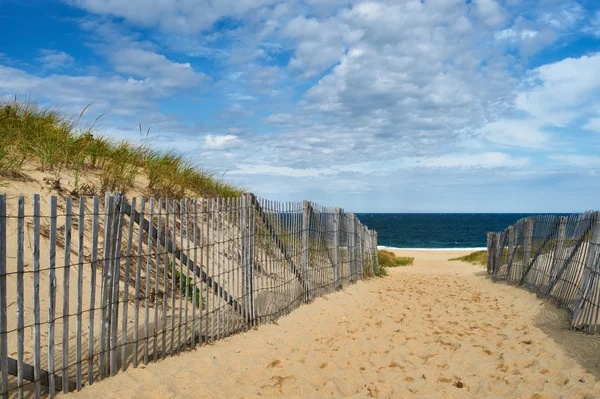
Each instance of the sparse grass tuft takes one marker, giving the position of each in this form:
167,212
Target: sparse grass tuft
476,258
31,133
389,259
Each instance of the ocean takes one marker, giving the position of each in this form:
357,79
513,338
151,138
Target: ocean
437,230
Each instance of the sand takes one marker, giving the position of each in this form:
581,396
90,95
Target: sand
436,329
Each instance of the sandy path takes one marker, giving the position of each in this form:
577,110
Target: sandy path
437,329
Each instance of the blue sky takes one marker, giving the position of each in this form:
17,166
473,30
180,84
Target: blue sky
374,106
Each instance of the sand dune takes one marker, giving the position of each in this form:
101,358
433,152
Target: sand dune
437,329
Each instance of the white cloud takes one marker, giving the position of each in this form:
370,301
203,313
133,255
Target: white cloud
146,64
577,160
256,169
219,142
560,90
593,26
593,124
490,12
54,59
525,133
172,16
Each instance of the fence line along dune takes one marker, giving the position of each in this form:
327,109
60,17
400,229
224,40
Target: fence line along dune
558,258
91,287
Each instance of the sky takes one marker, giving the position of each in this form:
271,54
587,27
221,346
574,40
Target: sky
372,106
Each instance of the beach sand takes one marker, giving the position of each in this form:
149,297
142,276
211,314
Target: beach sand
436,329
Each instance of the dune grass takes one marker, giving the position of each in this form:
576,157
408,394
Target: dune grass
34,134
389,259
476,258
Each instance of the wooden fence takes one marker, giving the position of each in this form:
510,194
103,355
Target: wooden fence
94,287
556,257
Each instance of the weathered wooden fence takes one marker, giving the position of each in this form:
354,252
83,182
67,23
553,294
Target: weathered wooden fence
556,257
94,287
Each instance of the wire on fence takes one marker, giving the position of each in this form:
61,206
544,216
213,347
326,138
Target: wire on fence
557,257
136,280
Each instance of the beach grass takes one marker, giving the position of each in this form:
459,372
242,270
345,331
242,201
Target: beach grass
32,134
476,258
389,259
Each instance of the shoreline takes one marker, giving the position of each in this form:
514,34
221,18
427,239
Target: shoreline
472,249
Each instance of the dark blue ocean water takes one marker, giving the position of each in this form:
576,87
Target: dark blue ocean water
437,230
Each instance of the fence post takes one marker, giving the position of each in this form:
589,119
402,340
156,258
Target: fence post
589,274
558,251
527,243
511,250
490,252
3,300
306,247
375,253
351,246
247,293
336,247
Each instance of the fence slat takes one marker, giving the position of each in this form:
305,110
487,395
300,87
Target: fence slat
138,272
156,280
108,217
125,319
3,301
148,278
187,270
252,246
20,293
80,259
66,284
165,278
52,295
36,297
194,295
94,265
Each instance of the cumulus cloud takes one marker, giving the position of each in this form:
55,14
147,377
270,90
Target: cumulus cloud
146,64
560,90
54,59
172,16
219,142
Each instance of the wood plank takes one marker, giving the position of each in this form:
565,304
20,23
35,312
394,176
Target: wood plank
52,295
3,301
28,372
163,240
173,274
179,254
539,251
279,244
156,281
66,285
20,293
187,270
104,316
306,249
116,279
148,277
194,295
125,320
36,298
80,261
212,263
94,267
138,272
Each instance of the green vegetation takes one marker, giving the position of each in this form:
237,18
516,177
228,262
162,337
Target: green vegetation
389,259
33,134
476,258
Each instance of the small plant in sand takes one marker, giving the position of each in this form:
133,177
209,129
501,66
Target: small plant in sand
476,258
389,259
